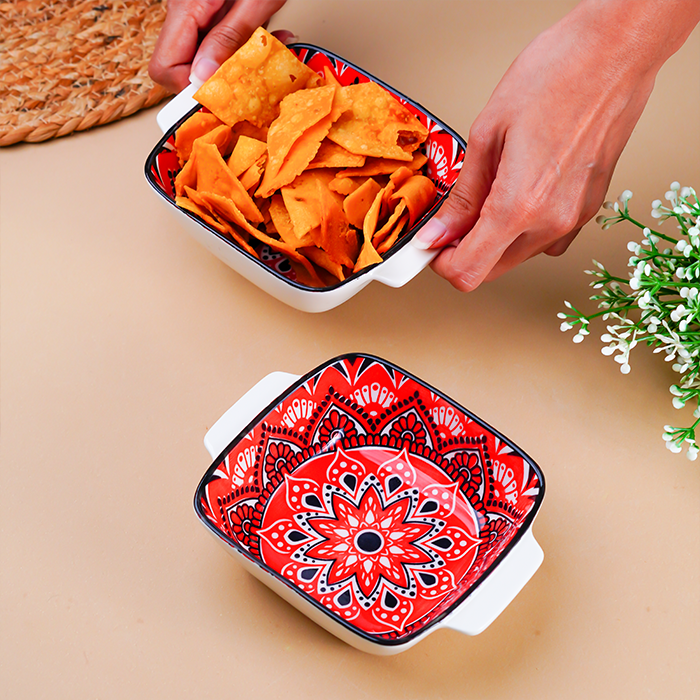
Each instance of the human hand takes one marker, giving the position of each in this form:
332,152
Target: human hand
541,154
224,25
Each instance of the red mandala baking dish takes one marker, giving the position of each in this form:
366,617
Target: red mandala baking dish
372,502
271,270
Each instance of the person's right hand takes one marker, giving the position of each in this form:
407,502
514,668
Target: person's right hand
220,25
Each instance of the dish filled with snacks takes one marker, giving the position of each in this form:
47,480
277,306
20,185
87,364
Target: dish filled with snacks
303,172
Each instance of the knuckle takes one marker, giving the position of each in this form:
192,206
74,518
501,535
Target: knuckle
227,37
479,136
460,198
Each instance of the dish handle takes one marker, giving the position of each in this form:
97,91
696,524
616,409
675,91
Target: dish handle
404,265
245,409
177,108
492,597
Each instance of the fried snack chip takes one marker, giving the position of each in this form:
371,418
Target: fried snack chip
293,139
375,124
418,192
383,166
215,177
283,224
331,155
199,124
246,152
357,203
251,84
329,176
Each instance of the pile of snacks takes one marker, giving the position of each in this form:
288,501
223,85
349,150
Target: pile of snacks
325,174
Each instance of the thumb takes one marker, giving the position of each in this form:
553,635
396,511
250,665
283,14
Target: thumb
460,211
231,33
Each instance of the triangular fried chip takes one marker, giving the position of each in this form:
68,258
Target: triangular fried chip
301,199
384,166
240,237
322,259
213,175
259,133
283,224
221,136
298,113
368,255
246,151
329,77
250,179
357,204
337,238
229,211
344,185
387,228
375,124
203,213
418,192
331,155
311,279
251,84
197,125
394,235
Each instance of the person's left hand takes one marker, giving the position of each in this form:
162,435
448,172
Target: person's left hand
220,25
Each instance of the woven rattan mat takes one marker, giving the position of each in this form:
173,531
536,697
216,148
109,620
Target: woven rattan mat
69,65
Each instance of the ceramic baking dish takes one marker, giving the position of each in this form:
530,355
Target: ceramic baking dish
271,271
371,501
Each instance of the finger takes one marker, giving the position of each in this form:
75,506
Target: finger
285,36
230,33
175,48
461,209
467,262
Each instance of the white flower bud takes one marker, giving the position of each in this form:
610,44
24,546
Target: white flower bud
625,196
692,454
686,192
562,315
675,186
678,402
565,327
634,283
681,245
607,350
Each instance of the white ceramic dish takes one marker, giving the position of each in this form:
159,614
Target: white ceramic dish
372,502
445,151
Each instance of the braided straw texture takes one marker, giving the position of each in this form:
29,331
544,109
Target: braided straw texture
69,65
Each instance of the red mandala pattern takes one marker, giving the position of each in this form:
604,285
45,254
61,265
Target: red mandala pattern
410,428
373,495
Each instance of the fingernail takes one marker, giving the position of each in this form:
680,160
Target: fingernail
202,70
430,234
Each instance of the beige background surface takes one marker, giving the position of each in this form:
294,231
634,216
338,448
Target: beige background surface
123,341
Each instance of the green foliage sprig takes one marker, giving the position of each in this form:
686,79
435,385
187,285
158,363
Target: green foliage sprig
658,304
